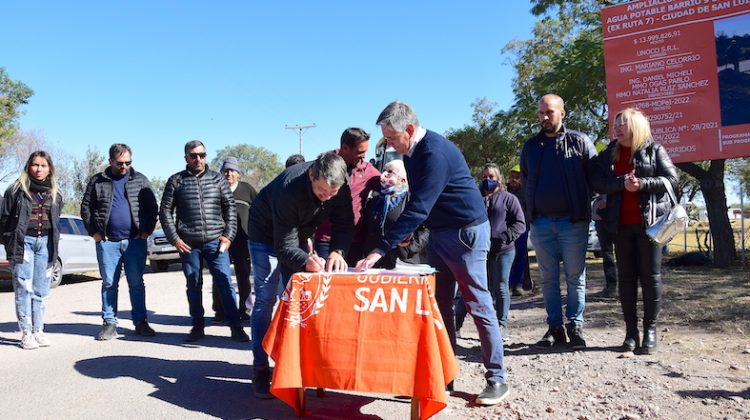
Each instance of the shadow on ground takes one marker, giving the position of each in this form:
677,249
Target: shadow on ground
215,388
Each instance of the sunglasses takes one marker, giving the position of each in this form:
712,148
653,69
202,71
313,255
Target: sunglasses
121,164
197,155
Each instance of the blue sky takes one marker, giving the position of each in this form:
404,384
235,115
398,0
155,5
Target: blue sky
155,74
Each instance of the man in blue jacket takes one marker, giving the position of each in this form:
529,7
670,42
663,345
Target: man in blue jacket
450,205
555,173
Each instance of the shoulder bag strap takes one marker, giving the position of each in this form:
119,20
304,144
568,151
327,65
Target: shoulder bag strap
670,190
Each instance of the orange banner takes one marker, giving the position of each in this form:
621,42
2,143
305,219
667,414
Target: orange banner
378,333
686,64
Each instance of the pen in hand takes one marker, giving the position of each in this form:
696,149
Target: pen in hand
314,262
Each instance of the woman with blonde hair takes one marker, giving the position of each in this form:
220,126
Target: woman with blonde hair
30,231
632,171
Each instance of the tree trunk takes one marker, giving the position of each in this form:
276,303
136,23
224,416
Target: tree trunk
712,187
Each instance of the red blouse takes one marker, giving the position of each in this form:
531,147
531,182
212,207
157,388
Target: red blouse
630,207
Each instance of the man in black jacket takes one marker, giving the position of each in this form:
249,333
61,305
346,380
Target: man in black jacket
555,172
119,211
202,229
283,217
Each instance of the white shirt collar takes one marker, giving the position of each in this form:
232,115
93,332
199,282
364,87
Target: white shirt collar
418,136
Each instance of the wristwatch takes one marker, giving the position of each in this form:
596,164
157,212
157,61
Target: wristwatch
340,252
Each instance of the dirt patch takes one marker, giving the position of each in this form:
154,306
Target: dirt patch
701,369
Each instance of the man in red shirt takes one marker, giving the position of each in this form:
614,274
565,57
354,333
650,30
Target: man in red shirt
363,179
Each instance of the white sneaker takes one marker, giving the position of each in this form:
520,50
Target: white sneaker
41,339
28,342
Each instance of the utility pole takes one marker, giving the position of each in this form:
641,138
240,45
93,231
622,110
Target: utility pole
300,129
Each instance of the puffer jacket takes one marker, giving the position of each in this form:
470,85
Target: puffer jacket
650,162
14,219
577,152
198,209
97,202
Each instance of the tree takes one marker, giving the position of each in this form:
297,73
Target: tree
157,184
13,94
16,150
91,164
567,44
491,138
258,165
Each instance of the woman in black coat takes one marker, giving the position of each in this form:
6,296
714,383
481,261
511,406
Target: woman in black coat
30,232
632,172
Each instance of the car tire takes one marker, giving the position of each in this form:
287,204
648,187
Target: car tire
158,266
56,277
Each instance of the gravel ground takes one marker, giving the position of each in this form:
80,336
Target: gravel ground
701,369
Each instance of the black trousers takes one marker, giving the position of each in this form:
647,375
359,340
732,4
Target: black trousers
607,242
638,260
239,254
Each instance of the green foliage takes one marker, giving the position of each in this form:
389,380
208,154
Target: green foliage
13,94
257,164
491,138
564,56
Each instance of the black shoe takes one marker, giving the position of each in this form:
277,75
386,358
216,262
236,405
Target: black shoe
218,319
108,332
516,291
196,333
142,328
554,336
649,340
449,387
238,334
631,343
262,383
628,345
610,292
492,394
577,341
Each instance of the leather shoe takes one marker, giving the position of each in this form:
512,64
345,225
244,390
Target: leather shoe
554,336
649,340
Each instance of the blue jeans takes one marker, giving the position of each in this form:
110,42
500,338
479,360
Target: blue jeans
31,281
266,276
554,239
112,256
460,256
499,273
218,266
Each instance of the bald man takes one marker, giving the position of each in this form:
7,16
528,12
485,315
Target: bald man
555,168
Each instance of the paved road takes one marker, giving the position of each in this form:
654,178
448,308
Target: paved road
160,377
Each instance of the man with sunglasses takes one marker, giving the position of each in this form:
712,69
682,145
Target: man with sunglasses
199,218
119,211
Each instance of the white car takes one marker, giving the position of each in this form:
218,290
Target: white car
160,252
77,253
